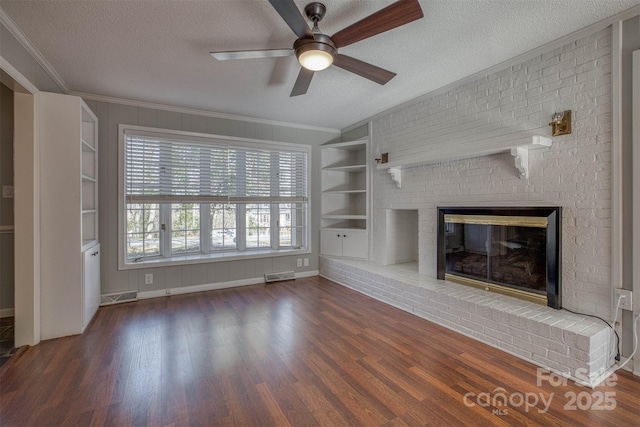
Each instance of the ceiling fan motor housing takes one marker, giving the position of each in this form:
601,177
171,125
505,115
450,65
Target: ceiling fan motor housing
320,42
315,11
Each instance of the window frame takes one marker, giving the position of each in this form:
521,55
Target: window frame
207,255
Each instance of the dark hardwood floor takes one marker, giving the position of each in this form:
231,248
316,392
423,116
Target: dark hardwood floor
307,352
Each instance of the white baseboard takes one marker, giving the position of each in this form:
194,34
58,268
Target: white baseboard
214,286
7,312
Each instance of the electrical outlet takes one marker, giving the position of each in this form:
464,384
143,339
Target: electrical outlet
626,303
148,279
299,262
306,262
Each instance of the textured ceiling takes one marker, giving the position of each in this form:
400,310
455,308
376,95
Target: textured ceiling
158,51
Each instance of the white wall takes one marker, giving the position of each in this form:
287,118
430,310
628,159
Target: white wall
114,280
575,173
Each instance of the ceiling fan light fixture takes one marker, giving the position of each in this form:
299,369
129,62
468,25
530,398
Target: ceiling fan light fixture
315,56
315,60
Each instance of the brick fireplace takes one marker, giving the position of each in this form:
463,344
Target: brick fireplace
573,173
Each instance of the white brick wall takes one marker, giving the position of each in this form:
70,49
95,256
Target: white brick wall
575,173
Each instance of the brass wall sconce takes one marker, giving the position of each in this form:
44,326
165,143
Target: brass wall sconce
382,158
561,123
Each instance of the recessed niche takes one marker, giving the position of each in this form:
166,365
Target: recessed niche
401,236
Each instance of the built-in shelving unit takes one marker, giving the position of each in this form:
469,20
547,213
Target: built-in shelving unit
70,249
345,199
89,174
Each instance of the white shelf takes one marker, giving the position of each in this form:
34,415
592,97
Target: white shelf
87,147
86,244
347,145
343,216
334,228
346,168
88,178
519,148
344,191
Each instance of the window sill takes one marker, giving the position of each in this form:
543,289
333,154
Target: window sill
208,258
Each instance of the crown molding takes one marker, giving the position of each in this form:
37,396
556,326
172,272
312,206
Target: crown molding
13,28
583,32
194,111
20,83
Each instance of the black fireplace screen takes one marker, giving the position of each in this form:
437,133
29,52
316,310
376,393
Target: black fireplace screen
511,256
515,248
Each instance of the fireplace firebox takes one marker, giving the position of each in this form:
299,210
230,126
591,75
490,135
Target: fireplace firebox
510,250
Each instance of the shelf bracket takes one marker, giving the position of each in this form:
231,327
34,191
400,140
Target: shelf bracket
396,175
521,154
521,158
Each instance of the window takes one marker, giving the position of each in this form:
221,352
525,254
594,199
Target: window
195,195
143,229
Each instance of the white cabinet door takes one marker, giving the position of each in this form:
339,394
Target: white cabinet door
354,244
331,242
346,243
91,287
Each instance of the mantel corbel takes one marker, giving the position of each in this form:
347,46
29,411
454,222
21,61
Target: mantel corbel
396,175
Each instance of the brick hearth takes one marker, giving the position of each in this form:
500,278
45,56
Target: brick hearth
572,345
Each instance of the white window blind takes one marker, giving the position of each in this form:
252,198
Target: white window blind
170,169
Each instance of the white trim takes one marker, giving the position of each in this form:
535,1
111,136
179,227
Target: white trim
370,189
122,250
616,163
7,312
17,76
32,50
583,32
27,208
635,262
198,112
215,286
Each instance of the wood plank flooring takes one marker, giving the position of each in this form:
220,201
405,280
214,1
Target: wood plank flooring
301,353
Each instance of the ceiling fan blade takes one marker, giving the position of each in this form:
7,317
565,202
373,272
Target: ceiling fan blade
302,82
396,14
250,54
288,10
363,69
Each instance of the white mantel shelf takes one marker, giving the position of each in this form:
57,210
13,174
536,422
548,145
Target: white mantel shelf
519,149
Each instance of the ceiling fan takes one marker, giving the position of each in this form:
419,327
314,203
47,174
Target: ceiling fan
317,51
